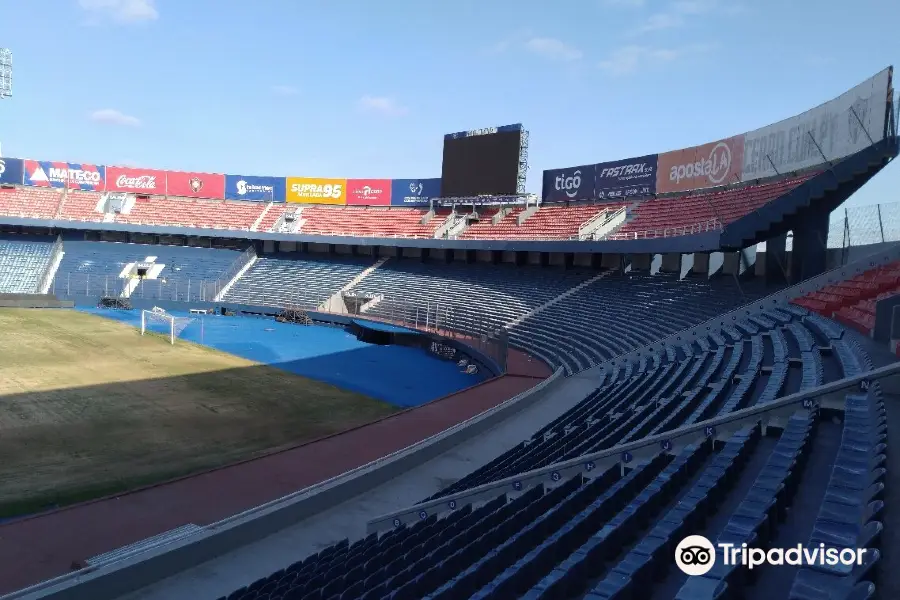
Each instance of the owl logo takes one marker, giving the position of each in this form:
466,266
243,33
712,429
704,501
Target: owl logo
415,188
196,184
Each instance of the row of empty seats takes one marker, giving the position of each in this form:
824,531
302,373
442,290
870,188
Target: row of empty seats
816,479
23,262
648,218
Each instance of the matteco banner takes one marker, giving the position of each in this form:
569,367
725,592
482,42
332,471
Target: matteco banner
136,181
79,176
566,185
626,178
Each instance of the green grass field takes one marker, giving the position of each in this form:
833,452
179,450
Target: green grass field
88,407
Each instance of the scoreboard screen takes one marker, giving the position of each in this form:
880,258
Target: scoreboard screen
482,161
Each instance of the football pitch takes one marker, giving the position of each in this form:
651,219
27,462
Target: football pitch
89,407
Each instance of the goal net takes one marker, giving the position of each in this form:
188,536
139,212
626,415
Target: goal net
161,322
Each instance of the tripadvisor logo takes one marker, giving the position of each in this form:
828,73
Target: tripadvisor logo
695,555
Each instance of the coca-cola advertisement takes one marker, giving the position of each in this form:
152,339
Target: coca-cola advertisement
136,180
195,185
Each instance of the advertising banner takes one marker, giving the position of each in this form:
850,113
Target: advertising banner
195,185
574,183
45,173
12,170
254,188
136,180
626,178
369,192
414,192
851,122
316,190
709,165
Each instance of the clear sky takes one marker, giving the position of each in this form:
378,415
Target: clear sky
359,88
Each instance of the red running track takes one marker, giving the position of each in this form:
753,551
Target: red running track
44,546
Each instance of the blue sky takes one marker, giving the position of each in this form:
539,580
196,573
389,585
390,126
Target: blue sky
358,88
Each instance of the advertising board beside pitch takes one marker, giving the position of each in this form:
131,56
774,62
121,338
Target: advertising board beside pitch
369,192
709,165
574,183
12,170
136,180
316,190
836,129
195,185
46,173
254,188
414,192
626,178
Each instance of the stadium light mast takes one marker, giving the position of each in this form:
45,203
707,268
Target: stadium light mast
5,75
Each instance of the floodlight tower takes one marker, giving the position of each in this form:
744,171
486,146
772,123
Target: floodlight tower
5,75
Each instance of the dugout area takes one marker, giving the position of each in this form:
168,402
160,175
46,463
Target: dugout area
89,408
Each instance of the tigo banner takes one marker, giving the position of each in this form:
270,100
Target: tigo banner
195,185
11,170
625,178
574,183
45,173
135,180
254,188
316,190
414,192
709,165
369,192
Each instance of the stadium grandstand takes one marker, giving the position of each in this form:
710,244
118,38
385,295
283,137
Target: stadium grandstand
654,369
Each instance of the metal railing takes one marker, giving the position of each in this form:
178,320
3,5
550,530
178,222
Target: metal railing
671,442
664,232
221,284
50,271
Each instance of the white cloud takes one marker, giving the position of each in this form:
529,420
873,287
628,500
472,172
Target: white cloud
121,11
659,22
110,116
381,105
629,59
553,49
285,90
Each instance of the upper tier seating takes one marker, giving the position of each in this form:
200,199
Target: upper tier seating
649,218
187,212
94,269
367,221
23,261
549,222
29,203
664,217
612,535
295,282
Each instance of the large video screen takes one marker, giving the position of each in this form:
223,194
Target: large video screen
480,164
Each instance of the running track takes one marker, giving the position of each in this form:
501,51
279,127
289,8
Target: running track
46,545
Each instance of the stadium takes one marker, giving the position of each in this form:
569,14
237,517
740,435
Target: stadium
275,387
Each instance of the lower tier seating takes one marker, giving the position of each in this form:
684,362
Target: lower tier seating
23,261
816,479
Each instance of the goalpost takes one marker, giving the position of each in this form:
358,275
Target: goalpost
159,321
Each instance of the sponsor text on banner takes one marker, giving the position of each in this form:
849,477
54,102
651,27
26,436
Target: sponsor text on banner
626,178
12,170
46,173
414,192
316,190
573,183
710,165
254,188
195,185
136,180
369,192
